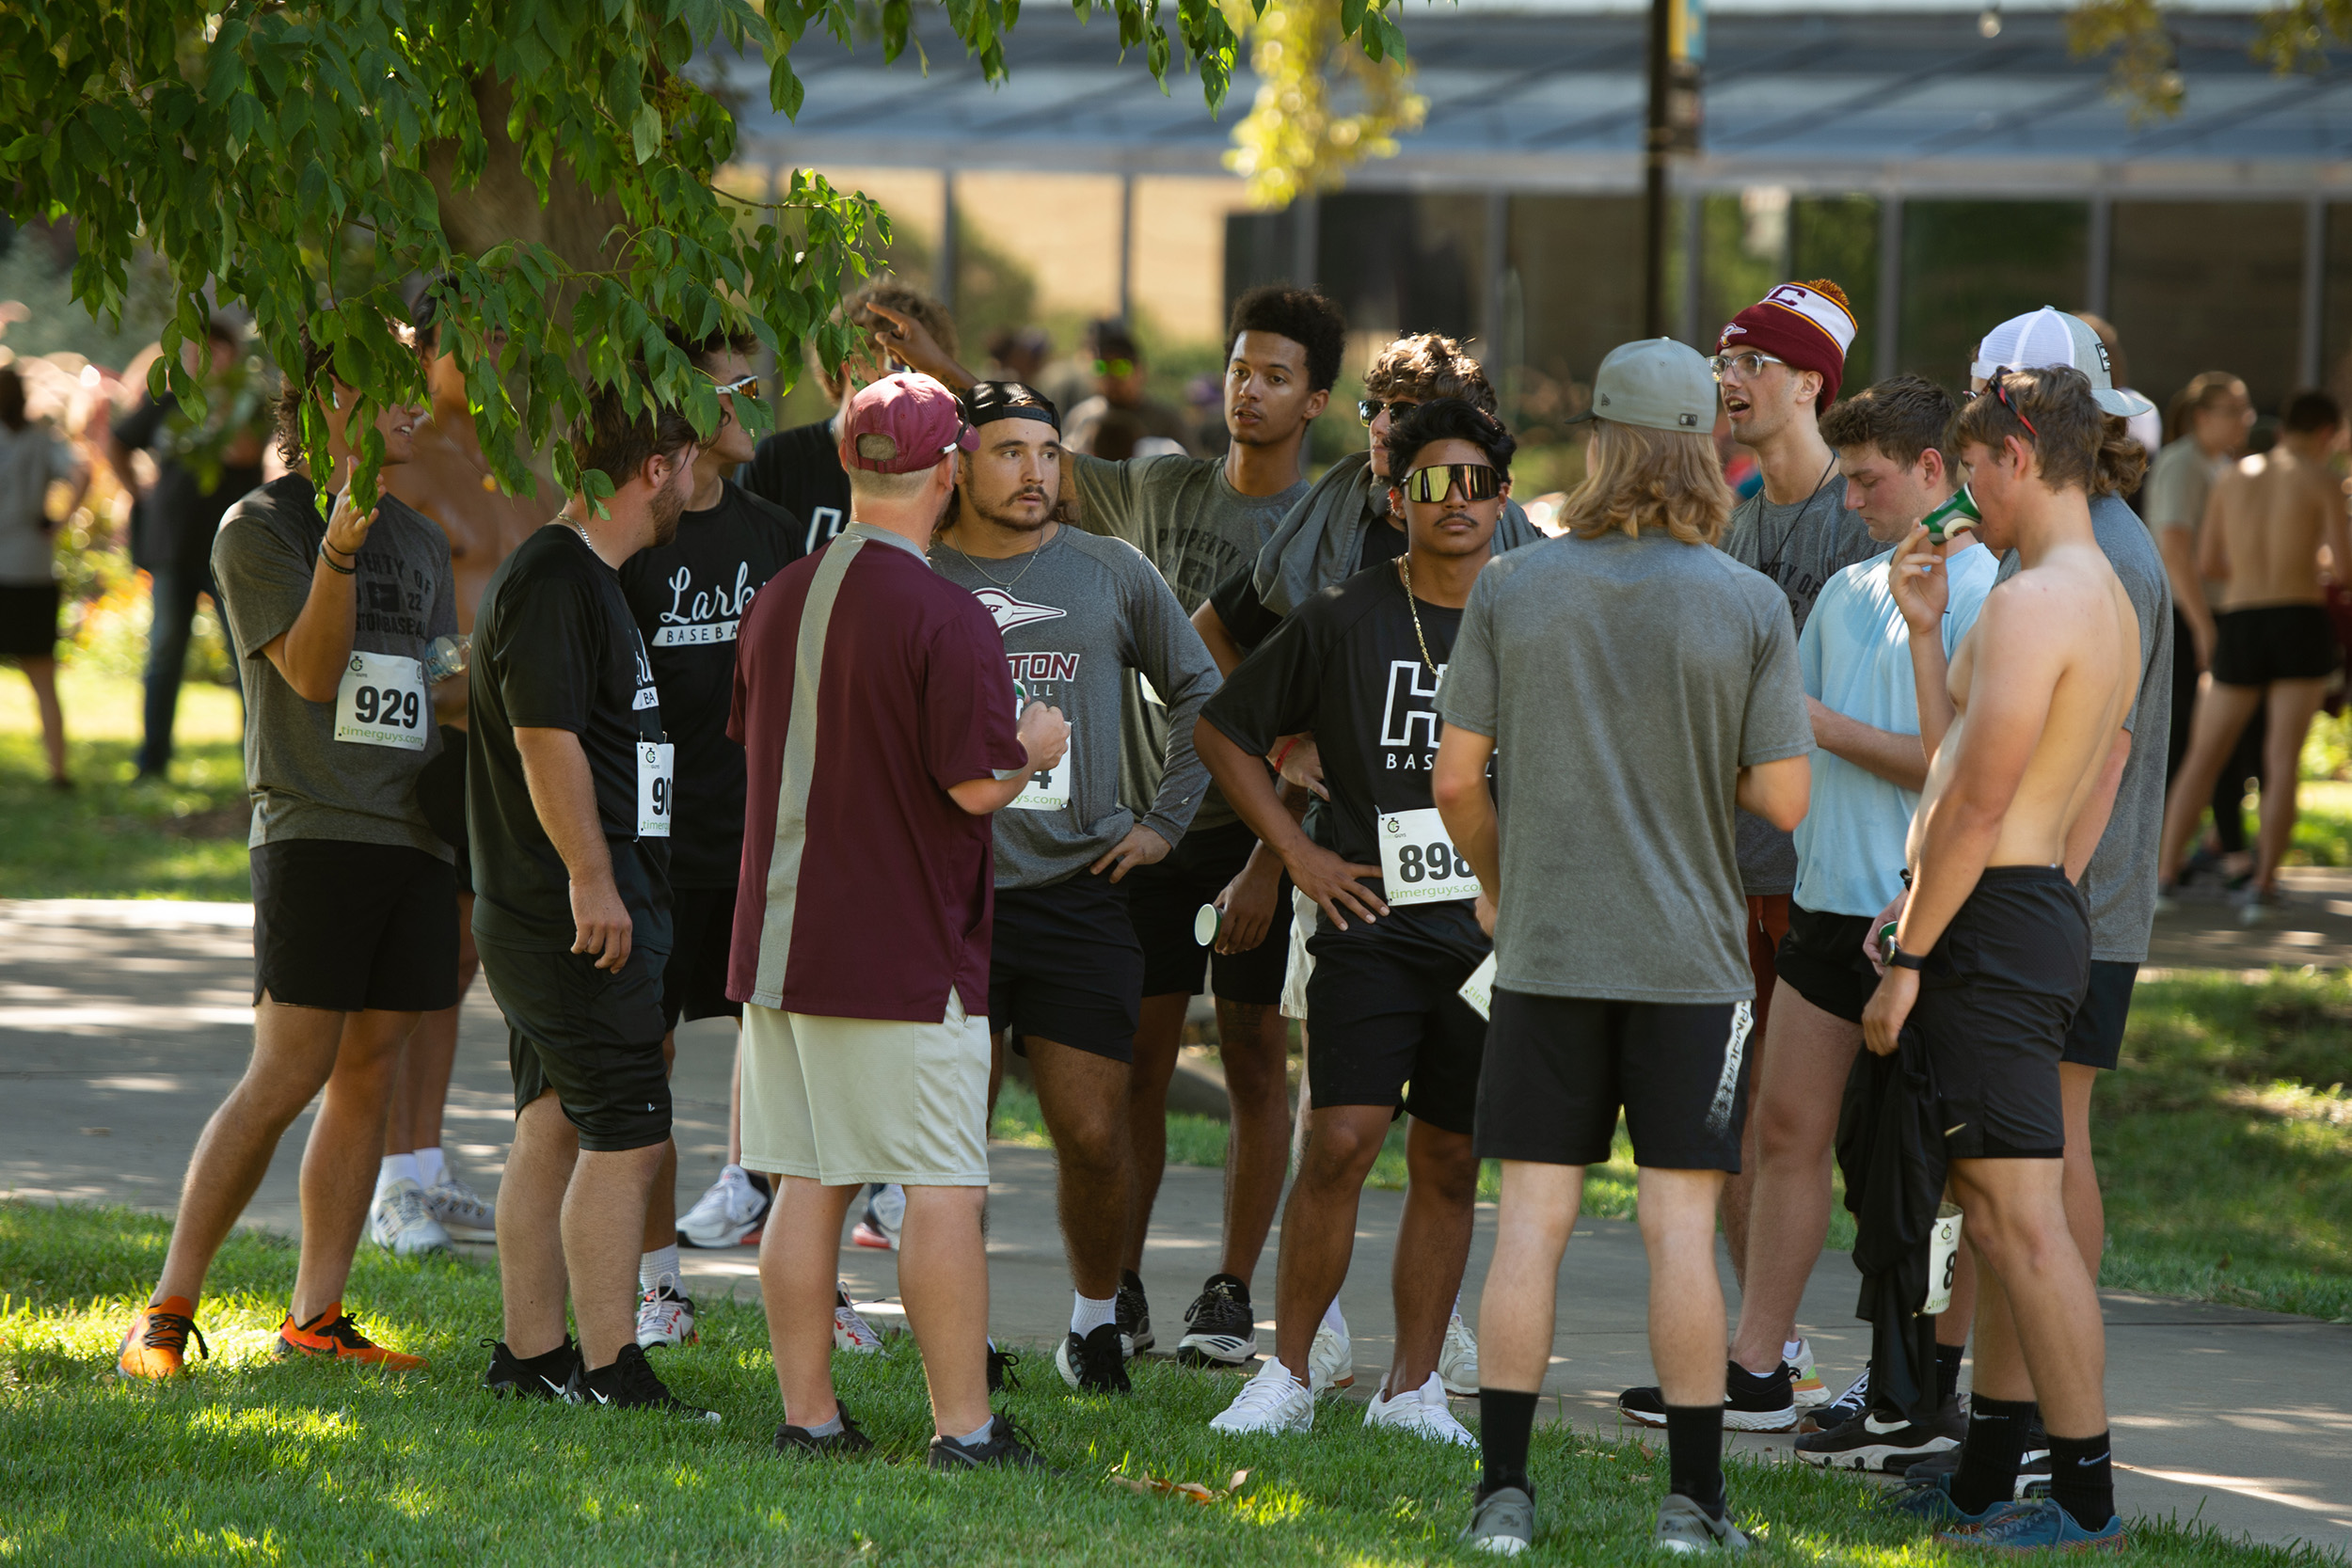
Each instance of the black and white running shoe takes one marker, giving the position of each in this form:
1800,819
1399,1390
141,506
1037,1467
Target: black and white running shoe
1844,1408
1092,1364
847,1443
540,1377
2033,1474
1002,1448
1135,1314
631,1384
1888,1444
1219,1328
1000,1369
1751,1403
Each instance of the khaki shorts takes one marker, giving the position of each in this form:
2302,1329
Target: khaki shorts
1304,913
847,1101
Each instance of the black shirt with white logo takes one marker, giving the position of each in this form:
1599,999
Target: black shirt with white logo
554,648
1347,667
799,469
687,597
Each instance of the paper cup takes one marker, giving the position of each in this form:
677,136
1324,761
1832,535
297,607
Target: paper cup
1206,925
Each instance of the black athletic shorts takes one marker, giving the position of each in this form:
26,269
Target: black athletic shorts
349,927
1996,997
1559,1068
1821,959
1386,1025
1065,966
2095,1038
28,620
1163,900
2274,643
441,796
694,981
592,1036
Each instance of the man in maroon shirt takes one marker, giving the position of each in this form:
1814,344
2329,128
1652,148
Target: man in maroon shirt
878,721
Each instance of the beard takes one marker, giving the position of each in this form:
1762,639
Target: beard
1004,517
667,505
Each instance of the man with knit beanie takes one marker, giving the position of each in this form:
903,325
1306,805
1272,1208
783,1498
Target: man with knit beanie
1779,363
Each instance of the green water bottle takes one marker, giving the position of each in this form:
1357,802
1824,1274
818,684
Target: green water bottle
1953,515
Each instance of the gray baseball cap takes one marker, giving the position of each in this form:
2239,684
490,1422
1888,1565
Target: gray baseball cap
2050,337
1655,382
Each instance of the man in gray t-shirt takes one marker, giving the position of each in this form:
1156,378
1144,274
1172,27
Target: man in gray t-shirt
355,906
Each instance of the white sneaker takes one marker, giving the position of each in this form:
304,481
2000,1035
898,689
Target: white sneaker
665,1316
462,1212
849,1331
402,1225
1422,1412
1331,1360
729,1210
1272,1401
886,1214
1457,1362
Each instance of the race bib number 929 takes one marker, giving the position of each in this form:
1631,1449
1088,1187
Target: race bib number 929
654,786
381,702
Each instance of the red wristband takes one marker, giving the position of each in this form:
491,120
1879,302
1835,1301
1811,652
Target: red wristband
1284,753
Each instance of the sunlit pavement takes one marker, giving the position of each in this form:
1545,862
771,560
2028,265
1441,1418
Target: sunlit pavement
122,1024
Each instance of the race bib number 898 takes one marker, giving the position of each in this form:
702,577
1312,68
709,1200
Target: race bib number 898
1417,861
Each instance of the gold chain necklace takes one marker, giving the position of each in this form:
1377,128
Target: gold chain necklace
1405,570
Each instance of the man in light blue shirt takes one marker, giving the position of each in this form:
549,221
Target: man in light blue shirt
1861,695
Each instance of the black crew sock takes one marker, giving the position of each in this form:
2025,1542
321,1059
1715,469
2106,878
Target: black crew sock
1507,1423
2082,1478
1694,1454
1129,1280
761,1183
1990,1457
1948,1373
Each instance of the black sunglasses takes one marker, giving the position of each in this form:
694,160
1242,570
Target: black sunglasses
1371,408
2000,395
1433,484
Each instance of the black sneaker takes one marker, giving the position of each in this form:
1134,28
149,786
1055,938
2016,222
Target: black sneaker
1002,1448
1844,1408
1135,1314
1219,1328
1890,1445
1093,1365
540,1377
631,1384
1751,1403
1000,1365
2033,1473
847,1443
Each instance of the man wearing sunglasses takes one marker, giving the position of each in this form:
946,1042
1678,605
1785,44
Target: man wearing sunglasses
688,598
1123,384
1358,665
1779,363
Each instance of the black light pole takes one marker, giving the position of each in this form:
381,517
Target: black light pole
1655,139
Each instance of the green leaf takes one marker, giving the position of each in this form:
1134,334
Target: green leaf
645,132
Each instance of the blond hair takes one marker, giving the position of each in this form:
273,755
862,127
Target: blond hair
1637,478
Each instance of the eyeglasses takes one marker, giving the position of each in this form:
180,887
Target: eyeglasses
740,384
1477,482
1748,362
1371,408
1113,366
2000,395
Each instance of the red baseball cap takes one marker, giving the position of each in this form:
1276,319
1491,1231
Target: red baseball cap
903,425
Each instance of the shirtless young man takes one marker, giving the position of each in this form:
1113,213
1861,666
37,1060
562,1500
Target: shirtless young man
1993,950
2274,646
449,480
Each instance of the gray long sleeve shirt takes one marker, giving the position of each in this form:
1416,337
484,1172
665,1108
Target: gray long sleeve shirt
1076,615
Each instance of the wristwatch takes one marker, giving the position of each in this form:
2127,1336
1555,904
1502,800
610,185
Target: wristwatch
1897,959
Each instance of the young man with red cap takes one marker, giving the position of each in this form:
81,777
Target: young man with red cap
878,723
1779,363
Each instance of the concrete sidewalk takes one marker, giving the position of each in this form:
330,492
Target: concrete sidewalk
121,1025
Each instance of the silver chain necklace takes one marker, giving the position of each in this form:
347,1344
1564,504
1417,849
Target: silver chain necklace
974,562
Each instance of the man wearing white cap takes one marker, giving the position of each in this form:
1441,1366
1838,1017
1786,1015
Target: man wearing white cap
1622,979
1780,363
2120,881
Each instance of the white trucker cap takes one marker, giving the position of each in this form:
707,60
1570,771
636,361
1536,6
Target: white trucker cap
1655,382
2050,337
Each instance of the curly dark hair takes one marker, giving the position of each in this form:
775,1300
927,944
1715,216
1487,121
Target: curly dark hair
1903,417
1448,420
1428,365
1303,316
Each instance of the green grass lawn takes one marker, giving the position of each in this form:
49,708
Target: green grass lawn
250,1461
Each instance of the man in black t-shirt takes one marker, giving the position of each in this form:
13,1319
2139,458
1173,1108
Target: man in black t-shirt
687,597
568,796
1357,666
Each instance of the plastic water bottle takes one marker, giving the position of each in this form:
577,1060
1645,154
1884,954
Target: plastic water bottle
446,658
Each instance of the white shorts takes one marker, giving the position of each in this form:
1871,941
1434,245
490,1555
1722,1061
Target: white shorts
847,1101
1304,913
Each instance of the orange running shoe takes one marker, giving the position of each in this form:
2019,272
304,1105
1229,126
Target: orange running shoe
334,1335
156,1343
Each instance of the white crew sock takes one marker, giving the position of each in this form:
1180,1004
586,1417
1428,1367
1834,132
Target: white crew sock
1331,1319
395,1167
432,1170
1087,1314
653,1265
1788,1351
